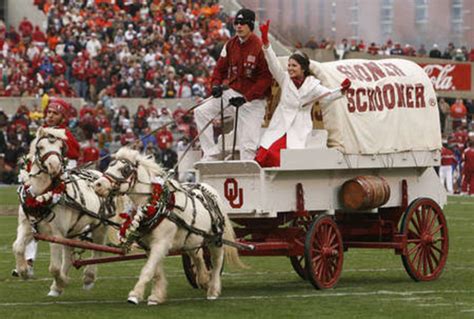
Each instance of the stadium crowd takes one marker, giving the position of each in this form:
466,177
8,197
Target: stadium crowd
159,49
101,49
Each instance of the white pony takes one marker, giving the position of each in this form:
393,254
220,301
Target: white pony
60,205
170,216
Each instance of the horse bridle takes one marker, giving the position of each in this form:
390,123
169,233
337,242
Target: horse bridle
128,172
40,159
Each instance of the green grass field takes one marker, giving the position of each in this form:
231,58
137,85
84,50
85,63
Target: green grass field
373,285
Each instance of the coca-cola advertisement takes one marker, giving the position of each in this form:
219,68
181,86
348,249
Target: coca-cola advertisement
449,76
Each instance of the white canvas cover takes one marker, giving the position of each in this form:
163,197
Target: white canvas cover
391,107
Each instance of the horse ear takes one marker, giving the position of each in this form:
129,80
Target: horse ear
40,131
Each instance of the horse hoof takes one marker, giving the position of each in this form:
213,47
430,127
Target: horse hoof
152,303
133,300
54,293
88,286
211,297
30,273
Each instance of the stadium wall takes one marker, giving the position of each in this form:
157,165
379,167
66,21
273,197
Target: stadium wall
11,104
17,9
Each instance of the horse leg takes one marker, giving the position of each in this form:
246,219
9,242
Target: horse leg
217,258
158,251
202,274
24,236
90,271
66,263
59,282
158,292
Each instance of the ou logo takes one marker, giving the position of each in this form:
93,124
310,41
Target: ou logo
233,193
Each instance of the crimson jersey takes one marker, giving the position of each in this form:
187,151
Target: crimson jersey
447,157
468,157
244,67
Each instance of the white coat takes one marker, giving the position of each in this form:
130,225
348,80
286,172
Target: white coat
293,113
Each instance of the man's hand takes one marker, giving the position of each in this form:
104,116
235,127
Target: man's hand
264,30
237,101
345,85
216,91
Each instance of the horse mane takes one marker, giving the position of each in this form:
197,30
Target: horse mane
135,157
45,131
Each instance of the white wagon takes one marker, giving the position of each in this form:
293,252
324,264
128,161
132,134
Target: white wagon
370,184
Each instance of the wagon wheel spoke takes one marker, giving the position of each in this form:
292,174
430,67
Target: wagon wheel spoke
436,230
415,247
414,223
424,214
433,256
438,250
432,221
416,258
413,235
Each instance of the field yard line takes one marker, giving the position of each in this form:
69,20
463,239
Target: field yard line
318,295
468,310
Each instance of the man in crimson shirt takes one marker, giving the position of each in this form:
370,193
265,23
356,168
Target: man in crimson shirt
448,161
243,68
57,116
468,170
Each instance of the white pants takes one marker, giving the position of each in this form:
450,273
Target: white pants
248,127
446,177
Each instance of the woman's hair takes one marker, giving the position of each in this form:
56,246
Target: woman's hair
302,59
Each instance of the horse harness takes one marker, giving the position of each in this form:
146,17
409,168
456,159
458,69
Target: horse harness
163,204
43,211
129,175
165,209
40,159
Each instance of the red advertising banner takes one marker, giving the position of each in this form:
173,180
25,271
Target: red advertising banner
449,76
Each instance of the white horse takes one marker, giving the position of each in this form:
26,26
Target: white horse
170,216
58,204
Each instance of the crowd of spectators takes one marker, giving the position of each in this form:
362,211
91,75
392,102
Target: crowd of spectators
101,131
139,48
390,48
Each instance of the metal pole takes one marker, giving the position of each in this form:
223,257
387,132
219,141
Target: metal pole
222,128
195,139
93,261
79,244
235,132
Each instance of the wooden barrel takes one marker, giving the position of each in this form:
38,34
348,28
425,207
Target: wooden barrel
365,192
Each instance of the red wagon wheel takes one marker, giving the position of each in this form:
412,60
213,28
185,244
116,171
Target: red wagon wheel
190,268
324,253
298,262
426,230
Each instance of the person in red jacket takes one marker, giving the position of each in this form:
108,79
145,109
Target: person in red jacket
448,161
468,170
56,115
241,67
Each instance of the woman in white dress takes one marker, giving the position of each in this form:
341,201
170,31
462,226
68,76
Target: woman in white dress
291,124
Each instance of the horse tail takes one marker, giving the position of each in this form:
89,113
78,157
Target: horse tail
231,254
